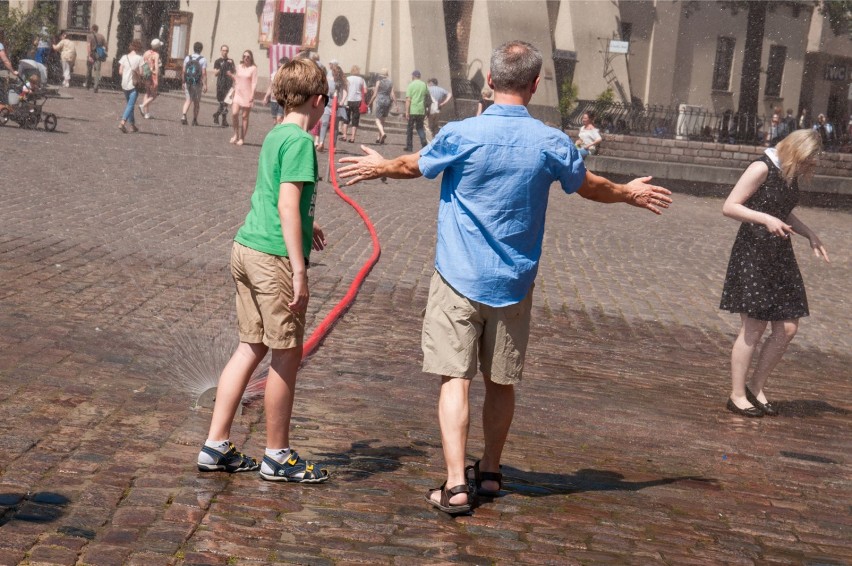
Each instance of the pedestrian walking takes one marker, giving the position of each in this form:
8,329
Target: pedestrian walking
151,58
440,98
415,110
194,82
245,85
763,283
383,100
498,170
96,55
67,55
275,108
269,265
223,68
356,89
129,69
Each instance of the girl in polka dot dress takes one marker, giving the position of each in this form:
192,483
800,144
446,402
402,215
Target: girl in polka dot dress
763,283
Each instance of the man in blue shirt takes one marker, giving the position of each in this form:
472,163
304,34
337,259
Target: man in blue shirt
497,171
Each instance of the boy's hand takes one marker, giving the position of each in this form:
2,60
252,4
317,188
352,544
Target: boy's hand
300,293
319,242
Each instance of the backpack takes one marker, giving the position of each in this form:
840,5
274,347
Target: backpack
192,71
100,50
145,70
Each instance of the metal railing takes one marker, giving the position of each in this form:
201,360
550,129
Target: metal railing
690,123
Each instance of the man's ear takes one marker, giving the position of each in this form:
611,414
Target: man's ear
488,80
535,84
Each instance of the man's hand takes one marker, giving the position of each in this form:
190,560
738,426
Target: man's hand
319,242
648,196
363,168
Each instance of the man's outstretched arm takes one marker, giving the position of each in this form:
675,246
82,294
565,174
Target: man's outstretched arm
371,165
637,192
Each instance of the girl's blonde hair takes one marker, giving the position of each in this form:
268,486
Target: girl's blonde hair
795,150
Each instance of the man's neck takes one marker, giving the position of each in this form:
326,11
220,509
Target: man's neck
512,98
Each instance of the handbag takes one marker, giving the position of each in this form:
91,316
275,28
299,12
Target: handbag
229,98
363,108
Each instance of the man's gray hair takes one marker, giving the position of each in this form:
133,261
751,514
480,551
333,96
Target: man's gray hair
514,66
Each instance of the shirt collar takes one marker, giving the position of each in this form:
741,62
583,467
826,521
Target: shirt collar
772,154
507,110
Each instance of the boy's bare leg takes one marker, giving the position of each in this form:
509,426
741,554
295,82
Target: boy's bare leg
454,418
280,391
498,410
232,385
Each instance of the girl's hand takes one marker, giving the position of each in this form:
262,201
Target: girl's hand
818,248
777,227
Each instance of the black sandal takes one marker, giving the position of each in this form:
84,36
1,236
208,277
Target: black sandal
445,505
479,477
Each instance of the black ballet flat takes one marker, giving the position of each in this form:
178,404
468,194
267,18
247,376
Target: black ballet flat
751,412
768,408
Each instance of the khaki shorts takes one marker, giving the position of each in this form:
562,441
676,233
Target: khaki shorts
459,333
264,289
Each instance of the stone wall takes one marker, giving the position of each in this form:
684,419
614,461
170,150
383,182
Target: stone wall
704,162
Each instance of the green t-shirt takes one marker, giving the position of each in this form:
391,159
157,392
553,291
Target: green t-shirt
287,156
416,91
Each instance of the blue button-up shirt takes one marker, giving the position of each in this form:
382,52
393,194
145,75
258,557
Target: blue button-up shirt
498,168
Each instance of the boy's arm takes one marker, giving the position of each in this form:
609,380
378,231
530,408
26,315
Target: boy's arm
289,197
372,166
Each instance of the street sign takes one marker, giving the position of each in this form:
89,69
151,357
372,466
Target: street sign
618,46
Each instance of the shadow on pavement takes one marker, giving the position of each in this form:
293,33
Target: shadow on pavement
807,408
41,507
540,484
362,460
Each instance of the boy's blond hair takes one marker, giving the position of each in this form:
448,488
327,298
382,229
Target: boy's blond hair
296,82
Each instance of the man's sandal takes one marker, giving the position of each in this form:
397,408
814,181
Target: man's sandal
479,477
445,505
294,469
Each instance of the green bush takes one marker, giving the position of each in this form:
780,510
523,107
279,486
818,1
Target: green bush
567,98
20,28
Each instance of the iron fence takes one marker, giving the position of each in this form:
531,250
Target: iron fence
692,123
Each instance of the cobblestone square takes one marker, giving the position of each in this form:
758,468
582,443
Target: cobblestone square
116,311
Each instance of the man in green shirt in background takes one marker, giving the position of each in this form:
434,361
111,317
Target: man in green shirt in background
415,110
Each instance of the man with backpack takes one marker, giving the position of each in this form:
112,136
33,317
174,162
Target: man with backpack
97,54
194,82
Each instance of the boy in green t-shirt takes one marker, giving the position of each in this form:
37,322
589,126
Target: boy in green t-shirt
269,266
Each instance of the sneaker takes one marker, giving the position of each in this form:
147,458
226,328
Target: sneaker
224,123
183,120
294,469
194,122
230,461
147,116
142,109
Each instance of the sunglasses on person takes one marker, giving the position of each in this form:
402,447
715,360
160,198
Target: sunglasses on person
325,98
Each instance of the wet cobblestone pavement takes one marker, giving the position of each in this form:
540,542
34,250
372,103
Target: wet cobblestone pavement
116,312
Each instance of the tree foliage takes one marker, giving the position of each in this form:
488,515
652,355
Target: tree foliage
568,97
839,15
20,28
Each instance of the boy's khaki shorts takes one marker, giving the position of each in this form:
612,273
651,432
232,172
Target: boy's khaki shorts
264,289
458,333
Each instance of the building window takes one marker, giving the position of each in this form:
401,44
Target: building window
775,70
724,63
79,13
291,28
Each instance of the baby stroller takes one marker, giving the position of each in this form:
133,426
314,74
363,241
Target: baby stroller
26,97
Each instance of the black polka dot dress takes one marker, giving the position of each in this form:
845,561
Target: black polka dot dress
763,278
